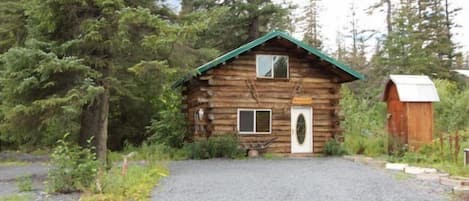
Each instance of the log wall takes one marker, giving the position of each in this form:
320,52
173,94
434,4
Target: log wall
222,90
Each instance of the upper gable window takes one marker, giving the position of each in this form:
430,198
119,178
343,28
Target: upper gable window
272,66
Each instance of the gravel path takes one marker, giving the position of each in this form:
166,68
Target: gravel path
38,172
322,179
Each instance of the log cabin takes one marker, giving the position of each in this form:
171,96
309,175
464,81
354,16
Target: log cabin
409,100
273,89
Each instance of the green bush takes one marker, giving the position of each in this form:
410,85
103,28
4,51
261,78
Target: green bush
364,124
334,148
226,146
136,184
73,168
169,127
25,184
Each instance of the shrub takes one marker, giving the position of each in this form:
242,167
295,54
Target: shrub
169,127
137,184
73,168
226,146
334,148
25,184
363,124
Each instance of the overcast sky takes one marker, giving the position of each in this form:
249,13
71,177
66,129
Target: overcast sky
335,16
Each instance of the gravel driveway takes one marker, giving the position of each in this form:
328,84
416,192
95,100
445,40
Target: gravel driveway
322,179
38,173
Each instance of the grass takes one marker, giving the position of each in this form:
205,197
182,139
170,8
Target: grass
402,176
13,163
271,156
18,197
136,184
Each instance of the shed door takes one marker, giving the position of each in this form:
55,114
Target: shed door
301,130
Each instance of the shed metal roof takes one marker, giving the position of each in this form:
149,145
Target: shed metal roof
259,41
463,72
415,88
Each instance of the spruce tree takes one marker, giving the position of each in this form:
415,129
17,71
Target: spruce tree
242,21
310,24
77,59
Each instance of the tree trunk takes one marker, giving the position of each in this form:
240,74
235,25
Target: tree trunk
388,16
448,33
94,123
253,31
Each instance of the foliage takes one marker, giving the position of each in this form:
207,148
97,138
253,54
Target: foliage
226,146
363,124
12,24
241,22
310,24
25,183
440,157
72,60
334,148
73,168
422,29
136,184
451,112
169,128
38,99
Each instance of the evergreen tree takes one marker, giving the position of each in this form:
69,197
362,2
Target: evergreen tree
12,24
242,21
311,25
419,42
77,60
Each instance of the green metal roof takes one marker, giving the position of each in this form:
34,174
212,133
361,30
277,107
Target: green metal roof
248,46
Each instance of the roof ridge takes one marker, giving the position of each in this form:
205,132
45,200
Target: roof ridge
254,43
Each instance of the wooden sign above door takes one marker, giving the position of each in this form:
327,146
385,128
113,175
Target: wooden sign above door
302,100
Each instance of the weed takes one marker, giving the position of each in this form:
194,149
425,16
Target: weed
136,184
334,148
402,176
226,146
271,156
25,184
73,168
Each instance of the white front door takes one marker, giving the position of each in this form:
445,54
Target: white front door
301,130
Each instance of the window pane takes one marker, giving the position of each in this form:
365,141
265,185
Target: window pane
246,121
280,66
262,121
264,66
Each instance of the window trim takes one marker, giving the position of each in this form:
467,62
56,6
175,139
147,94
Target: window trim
255,113
272,76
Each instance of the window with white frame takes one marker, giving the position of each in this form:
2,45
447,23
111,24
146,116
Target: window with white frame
254,121
272,66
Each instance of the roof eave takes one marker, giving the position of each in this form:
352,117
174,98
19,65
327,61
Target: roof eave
248,46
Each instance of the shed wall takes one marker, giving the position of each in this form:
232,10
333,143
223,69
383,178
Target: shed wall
420,124
397,119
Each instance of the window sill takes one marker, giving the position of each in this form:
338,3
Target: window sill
273,79
254,133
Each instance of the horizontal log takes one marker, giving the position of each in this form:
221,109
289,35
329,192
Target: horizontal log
273,83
